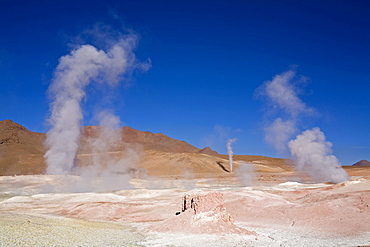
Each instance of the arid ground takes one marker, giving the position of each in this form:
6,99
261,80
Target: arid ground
169,193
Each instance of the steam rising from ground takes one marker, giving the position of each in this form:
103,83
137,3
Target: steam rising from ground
113,171
84,65
230,152
245,172
310,151
312,154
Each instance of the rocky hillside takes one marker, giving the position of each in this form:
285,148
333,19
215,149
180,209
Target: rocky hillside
22,152
148,140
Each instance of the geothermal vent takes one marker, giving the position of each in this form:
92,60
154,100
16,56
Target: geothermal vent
202,213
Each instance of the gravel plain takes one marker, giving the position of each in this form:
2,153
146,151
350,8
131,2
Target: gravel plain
33,230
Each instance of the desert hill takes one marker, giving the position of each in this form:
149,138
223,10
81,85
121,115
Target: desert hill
148,140
208,150
362,163
22,151
13,133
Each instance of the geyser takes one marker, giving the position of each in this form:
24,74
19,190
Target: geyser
230,152
73,74
312,153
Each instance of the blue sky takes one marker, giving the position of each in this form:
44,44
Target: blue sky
208,59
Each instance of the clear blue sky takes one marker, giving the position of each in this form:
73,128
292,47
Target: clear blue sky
208,58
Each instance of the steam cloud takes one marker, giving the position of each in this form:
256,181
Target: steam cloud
109,171
312,154
245,172
310,151
282,95
73,74
230,152
279,132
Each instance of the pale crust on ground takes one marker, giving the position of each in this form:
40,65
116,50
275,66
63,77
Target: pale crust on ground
142,201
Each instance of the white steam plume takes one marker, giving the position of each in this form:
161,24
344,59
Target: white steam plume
282,94
74,73
309,150
245,172
230,152
279,132
110,166
312,154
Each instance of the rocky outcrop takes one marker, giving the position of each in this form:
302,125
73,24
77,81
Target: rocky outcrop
207,206
201,213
